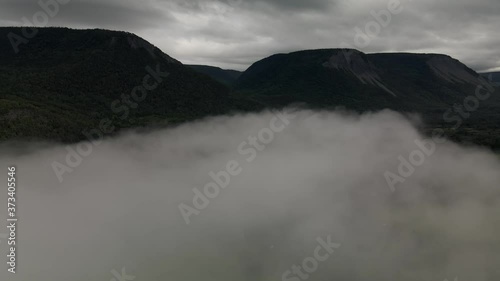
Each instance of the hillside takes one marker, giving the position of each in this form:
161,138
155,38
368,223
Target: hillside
432,85
64,81
225,76
494,76
408,82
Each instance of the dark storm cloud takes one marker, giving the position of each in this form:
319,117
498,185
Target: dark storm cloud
235,33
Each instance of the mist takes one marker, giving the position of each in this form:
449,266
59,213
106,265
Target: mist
134,203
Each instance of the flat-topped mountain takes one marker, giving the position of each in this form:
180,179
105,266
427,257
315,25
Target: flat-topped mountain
349,78
62,83
441,89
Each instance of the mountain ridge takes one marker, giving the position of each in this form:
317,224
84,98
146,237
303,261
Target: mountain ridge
66,81
350,66
225,76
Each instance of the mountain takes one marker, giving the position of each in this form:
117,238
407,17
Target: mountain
441,89
494,76
63,82
225,76
426,83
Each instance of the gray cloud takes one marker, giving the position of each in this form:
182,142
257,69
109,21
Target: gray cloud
113,14
292,5
321,176
233,33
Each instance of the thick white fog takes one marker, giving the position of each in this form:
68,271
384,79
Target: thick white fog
314,203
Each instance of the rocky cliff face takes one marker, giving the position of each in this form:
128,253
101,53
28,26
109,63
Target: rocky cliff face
349,78
454,71
357,64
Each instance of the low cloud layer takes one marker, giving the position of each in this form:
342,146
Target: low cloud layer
236,33
311,179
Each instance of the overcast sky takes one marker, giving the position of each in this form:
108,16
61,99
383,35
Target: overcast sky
236,33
